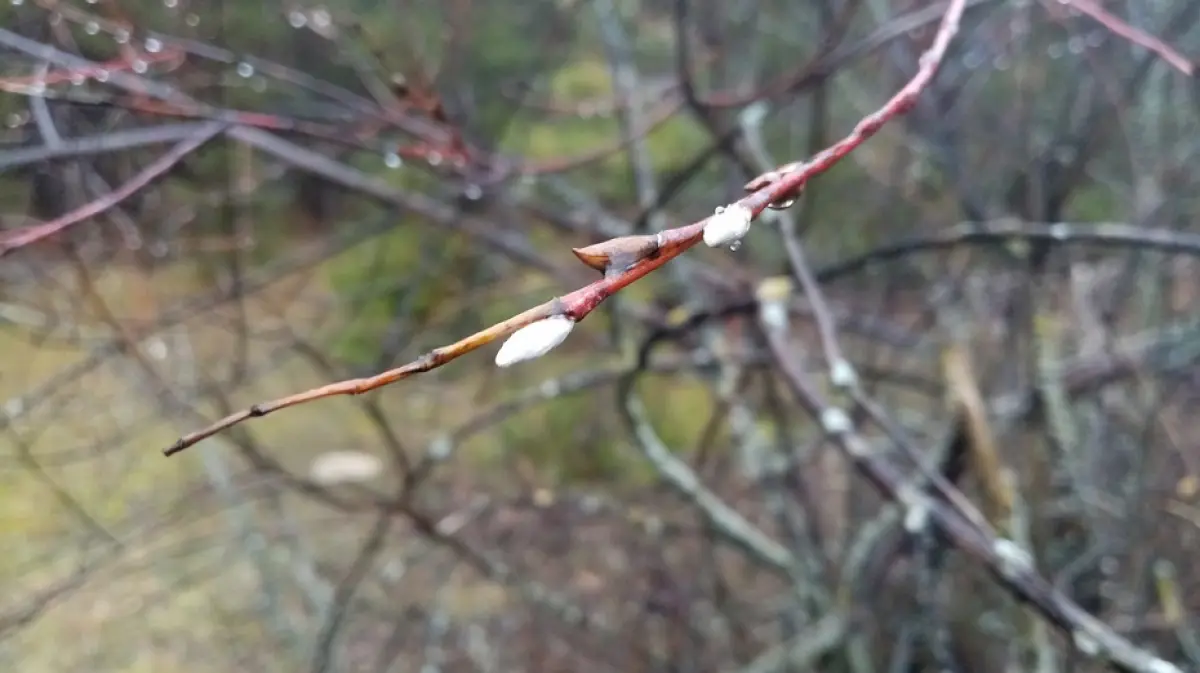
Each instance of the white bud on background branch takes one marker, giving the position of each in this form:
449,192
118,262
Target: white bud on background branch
534,340
345,467
728,225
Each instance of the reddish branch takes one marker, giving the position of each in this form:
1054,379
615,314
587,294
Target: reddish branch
1134,35
30,235
780,186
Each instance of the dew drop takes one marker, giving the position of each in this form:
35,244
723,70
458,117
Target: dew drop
1095,39
101,75
153,46
1076,45
37,88
17,3
245,69
735,246
1056,50
192,20
140,66
91,28
321,18
13,120
1001,63
972,59
392,160
121,36
434,158
170,4
473,192
78,78
297,19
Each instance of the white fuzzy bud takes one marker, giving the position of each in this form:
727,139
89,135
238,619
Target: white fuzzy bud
916,518
1085,643
774,314
842,374
534,340
345,467
728,225
1013,559
835,421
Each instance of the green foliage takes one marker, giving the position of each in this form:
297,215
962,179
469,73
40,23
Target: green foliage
575,439
1095,203
678,407
376,282
570,442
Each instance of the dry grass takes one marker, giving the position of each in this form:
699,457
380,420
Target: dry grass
179,582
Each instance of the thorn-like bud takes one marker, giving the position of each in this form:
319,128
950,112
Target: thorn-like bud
771,177
534,340
728,225
617,252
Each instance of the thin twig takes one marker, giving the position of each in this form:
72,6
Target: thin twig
671,243
1134,35
30,235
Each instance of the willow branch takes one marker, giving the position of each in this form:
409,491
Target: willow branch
627,263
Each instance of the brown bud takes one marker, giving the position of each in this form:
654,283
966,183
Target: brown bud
617,253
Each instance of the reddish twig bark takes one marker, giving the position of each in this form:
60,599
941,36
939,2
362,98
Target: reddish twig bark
1134,35
622,271
30,235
